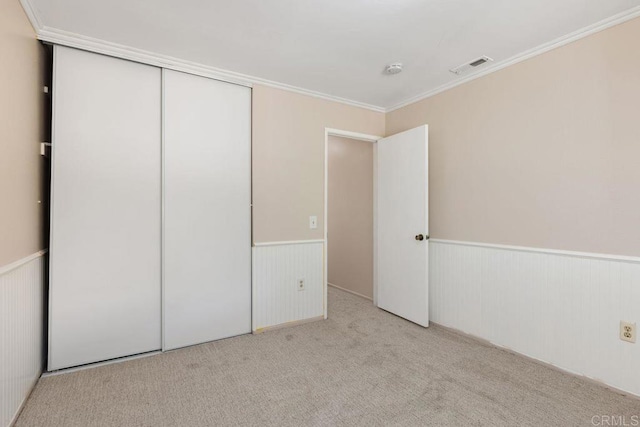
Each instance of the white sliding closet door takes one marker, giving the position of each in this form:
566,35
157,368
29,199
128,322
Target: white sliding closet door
105,294
207,213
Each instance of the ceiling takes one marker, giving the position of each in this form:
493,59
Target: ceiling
335,47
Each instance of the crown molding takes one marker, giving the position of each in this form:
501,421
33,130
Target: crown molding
66,38
79,41
56,36
546,47
70,39
32,14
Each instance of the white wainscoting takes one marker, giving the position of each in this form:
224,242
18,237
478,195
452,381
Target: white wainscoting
563,308
277,267
21,334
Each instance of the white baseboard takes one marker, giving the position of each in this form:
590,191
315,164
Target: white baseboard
23,404
557,307
484,342
350,291
21,311
287,325
98,364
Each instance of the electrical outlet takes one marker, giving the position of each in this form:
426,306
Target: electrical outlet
628,332
301,284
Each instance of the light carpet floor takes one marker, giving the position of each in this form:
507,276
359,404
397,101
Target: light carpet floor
362,366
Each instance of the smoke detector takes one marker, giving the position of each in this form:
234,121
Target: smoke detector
471,65
394,68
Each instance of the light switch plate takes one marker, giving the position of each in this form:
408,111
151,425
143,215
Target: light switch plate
313,222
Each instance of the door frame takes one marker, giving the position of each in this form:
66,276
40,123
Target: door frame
325,261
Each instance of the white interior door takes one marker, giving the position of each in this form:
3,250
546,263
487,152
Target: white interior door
207,209
105,212
403,225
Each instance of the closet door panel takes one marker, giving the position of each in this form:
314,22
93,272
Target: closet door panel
105,292
207,214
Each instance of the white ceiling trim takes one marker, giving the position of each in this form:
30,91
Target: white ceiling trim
56,36
66,38
53,35
33,16
546,47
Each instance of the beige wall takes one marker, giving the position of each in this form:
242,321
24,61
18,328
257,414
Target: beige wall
350,215
21,118
545,153
288,159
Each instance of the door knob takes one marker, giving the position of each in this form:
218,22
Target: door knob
419,237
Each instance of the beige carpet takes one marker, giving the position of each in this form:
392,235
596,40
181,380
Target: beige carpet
361,367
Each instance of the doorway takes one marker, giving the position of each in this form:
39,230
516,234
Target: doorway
377,219
349,212
350,207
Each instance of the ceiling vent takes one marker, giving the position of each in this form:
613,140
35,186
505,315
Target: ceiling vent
393,68
470,66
